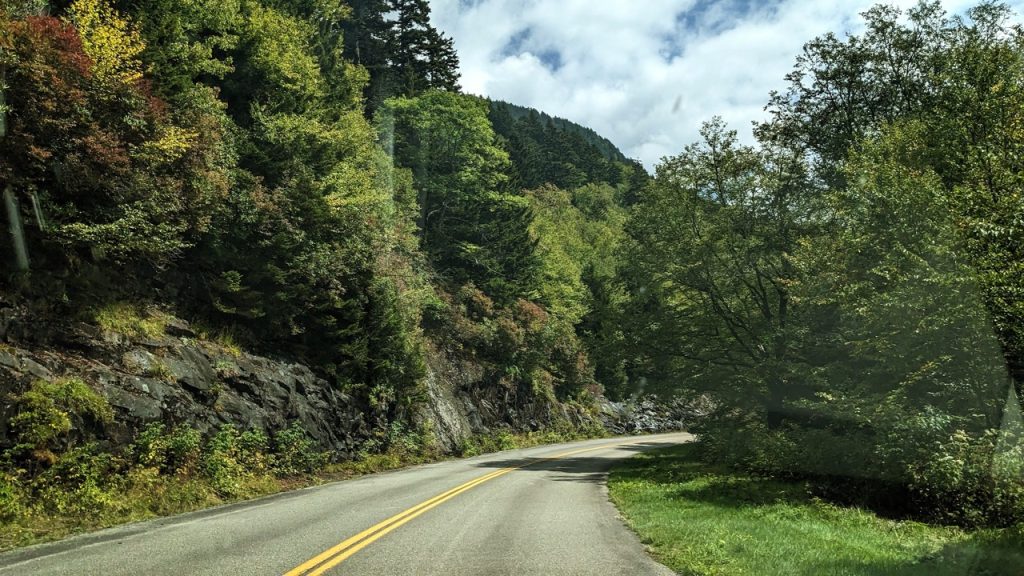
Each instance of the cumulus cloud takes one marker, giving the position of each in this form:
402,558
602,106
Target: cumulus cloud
644,74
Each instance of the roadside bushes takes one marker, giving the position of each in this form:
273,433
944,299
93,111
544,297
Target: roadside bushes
231,460
925,466
46,412
57,478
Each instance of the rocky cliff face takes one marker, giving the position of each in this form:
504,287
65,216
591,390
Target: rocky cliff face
177,379
460,403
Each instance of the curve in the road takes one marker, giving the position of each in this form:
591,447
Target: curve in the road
537,511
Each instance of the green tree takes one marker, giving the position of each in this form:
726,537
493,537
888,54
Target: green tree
421,57
907,370
472,227
959,78
403,52
707,263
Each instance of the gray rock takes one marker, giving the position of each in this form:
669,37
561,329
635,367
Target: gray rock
138,361
206,388
179,327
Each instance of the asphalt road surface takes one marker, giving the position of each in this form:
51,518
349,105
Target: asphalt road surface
541,510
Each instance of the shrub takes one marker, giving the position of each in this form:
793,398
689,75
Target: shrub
177,452
221,465
926,464
150,447
81,482
253,451
13,499
296,453
45,412
965,480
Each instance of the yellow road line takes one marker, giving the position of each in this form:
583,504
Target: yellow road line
339,553
305,566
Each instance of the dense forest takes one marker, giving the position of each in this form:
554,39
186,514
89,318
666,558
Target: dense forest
236,161
306,178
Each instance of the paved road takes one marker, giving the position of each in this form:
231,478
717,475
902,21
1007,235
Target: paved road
536,511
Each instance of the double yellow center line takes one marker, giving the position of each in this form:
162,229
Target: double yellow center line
337,554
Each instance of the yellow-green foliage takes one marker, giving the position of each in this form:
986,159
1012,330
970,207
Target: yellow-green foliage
575,230
45,410
226,338
160,370
131,320
172,144
110,40
281,55
82,488
228,341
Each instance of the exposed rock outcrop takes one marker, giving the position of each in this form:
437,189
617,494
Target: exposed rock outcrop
649,415
180,379
460,404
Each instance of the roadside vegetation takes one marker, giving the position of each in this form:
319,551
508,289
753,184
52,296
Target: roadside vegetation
53,483
306,180
703,519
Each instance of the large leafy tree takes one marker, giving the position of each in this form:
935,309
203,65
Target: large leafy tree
835,290
960,78
907,372
709,271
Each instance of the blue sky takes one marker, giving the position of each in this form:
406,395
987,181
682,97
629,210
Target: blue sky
644,73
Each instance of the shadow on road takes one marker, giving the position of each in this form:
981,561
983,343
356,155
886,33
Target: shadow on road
592,468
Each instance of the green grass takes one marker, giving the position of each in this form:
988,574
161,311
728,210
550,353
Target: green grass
703,520
131,319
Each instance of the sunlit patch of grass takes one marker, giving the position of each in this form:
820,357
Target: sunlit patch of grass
225,338
229,342
131,320
703,520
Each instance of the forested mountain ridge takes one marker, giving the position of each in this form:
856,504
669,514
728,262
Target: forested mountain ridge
592,138
549,150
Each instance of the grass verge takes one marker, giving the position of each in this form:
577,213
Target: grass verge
705,520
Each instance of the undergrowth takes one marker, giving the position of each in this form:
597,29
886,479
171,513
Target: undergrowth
131,319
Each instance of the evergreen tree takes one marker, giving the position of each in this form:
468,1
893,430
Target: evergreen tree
473,228
404,54
421,57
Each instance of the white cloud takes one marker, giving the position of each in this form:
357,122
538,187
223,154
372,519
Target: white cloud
634,72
